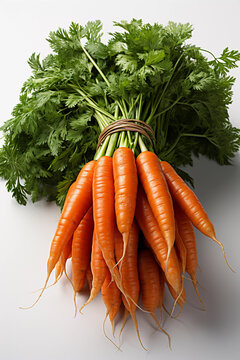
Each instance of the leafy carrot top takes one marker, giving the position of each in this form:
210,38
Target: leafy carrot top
147,72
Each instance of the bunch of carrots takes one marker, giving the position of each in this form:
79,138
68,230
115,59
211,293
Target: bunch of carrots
127,224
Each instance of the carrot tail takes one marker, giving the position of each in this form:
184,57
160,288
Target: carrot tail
54,283
35,302
166,310
175,302
194,282
125,316
168,254
105,334
125,237
133,315
65,272
213,237
93,294
179,312
125,242
156,321
75,303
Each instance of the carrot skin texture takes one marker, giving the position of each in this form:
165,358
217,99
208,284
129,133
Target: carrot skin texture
125,187
154,237
104,213
81,250
156,189
180,249
150,284
187,200
98,268
111,296
89,277
186,231
162,289
128,265
149,280
129,271
182,299
75,208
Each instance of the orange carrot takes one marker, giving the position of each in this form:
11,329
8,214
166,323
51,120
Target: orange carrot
81,249
89,277
69,193
125,185
180,299
149,276
104,214
156,189
190,204
187,234
112,298
162,289
75,207
153,235
98,269
129,271
180,249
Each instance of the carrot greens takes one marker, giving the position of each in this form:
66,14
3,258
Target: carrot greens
147,72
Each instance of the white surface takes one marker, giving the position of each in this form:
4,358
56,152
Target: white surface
49,330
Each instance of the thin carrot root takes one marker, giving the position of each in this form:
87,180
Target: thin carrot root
125,316
105,334
93,294
125,237
165,332
179,312
138,306
166,310
194,282
75,303
133,315
35,302
65,272
213,237
113,328
175,302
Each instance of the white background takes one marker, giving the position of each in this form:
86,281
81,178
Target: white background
49,330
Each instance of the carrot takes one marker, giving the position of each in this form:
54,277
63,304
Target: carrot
153,235
75,207
190,204
149,276
129,270
81,250
156,189
98,269
125,186
180,299
162,289
60,266
112,298
104,214
180,249
187,234
89,277
69,193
